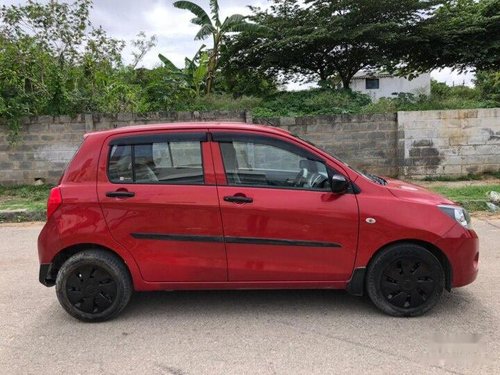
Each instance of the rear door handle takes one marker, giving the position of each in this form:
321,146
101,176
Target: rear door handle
120,194
238,199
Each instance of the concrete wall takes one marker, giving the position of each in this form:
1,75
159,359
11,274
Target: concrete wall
451,143
390,86
411,144
363,141
47,143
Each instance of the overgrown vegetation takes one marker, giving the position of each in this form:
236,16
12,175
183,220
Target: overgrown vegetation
54,61
442,97
328,101
311,102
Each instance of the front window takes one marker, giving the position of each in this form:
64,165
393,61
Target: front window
263,164
376,179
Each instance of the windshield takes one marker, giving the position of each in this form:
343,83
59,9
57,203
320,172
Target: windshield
377,179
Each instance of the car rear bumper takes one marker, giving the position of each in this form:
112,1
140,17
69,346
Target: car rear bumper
45,274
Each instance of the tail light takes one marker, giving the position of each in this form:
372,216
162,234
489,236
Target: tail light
54,201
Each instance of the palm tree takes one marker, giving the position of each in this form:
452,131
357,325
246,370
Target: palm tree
212,26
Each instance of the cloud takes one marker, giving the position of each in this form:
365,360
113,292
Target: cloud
169,22
453,78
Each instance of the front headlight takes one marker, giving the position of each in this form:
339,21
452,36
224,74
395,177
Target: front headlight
458,214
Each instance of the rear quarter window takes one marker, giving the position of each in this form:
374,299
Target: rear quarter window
165,162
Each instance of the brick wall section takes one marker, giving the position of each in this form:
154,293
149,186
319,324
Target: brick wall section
449,143
47,143
411,144
363,141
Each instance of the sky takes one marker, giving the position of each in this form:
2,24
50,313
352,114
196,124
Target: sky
123,19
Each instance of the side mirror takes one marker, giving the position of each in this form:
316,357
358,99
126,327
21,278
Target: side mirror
338,184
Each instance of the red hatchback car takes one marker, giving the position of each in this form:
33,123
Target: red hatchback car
236,206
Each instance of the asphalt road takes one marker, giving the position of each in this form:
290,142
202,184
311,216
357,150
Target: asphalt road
246,332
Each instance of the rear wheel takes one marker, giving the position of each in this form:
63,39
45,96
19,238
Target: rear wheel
93,286
405,280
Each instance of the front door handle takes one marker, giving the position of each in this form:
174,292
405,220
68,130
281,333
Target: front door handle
120,194
238,199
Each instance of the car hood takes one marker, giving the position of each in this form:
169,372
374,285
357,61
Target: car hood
406,190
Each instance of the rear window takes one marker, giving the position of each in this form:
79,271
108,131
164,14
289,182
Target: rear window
165,162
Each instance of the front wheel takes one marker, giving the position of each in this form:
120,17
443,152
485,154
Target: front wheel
93,285
405,280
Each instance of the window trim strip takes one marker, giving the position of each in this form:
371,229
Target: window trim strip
159,138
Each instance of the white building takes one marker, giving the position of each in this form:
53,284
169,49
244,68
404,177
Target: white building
384,85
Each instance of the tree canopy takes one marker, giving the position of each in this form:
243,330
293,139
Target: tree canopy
462,34
327,39
54,61
330,41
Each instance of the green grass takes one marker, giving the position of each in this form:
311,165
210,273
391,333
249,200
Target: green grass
469,177
473,198
32,198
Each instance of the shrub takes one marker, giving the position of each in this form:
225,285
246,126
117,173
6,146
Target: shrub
218,102
311,102
488,86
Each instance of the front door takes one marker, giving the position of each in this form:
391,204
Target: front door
281,220
158,195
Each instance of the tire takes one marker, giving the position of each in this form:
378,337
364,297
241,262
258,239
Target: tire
405,280
93,285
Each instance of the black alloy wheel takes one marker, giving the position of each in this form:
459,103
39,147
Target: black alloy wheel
408,283
405,280
91,289
94,285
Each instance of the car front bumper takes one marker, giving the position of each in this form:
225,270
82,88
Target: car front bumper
462,250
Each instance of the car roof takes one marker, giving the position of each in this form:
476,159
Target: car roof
190,126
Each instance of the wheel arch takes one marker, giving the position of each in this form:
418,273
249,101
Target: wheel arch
433,249
64,254
357,283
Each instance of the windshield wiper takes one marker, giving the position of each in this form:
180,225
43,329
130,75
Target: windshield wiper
377,179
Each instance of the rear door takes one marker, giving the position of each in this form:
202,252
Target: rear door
281,220
158,195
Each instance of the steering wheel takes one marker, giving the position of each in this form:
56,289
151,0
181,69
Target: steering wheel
317,180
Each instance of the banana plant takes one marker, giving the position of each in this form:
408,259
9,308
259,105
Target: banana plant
193,74
212,26
197,73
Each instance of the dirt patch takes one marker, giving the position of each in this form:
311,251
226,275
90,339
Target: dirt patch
21,216
486,215
23,224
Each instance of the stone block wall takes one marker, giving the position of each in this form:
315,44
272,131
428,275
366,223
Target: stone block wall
363,141
408,144
47,143
449,143
45,146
